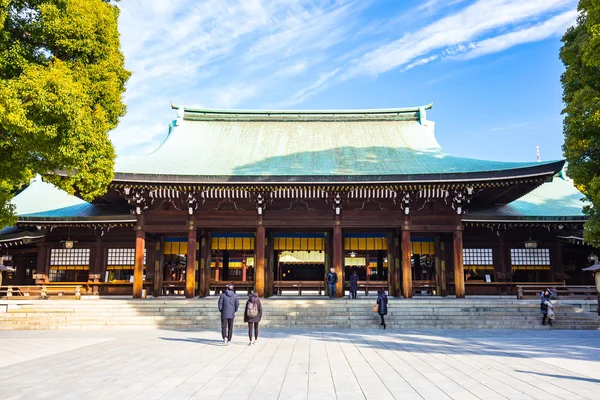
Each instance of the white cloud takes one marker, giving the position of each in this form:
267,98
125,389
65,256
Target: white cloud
468,24
552,27
256,53
315,87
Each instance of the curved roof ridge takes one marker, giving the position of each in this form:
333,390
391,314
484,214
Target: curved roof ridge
377,111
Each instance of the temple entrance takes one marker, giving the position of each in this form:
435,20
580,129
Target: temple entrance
232,258
423,267
300,263
174,262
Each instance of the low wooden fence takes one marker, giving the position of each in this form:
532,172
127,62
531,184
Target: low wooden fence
575,292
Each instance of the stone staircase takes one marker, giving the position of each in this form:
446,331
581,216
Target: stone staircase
179,314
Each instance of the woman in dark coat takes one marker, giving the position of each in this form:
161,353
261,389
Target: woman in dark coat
353,284
253,315
382,302
544,300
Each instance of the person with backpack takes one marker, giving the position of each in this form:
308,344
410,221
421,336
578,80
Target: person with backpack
228,306
332,280
253,315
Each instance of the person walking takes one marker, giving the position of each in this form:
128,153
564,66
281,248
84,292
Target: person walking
382,302
332,280
253,315
546,307
229,303
353,284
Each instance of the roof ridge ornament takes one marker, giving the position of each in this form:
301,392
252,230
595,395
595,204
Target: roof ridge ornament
180,111
423,113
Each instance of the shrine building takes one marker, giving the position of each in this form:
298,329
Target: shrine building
271,200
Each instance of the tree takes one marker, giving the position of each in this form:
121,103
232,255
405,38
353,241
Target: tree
581,93
62,78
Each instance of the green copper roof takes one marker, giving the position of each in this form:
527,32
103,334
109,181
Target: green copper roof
235,144
558,199
44,201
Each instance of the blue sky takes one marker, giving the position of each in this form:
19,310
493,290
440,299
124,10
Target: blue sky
490,67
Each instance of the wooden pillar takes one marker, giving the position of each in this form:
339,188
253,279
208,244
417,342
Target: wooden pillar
406,270
138,269
97,271
158,267
244,270
440,270
558,264
42,263
501,268
394,264
459,274
205,254
190,265
259,262
338,257
270,266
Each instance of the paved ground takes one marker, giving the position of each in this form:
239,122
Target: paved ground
288,364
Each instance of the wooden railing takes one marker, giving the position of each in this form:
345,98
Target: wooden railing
280,286
498,288
42,291
238,286
370,286
575,292
19,291
424,286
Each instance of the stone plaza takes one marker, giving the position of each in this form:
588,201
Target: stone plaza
300,364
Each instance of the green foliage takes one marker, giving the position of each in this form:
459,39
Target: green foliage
62,77
581,93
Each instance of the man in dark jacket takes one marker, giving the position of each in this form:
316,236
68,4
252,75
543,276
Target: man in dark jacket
353,284
228,306
332,280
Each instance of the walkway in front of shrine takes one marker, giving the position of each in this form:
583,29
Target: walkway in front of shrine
300,364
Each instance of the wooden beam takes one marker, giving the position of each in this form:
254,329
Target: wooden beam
338,249
459,274
406,268
259,269
138,269
190,265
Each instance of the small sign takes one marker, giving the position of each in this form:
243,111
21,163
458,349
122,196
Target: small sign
488,278
94,276
39,276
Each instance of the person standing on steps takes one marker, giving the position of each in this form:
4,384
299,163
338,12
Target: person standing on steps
229,303
253,315
546,306
382,302
353,284
332,280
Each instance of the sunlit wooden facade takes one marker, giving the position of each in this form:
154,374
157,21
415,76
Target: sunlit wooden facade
262,198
